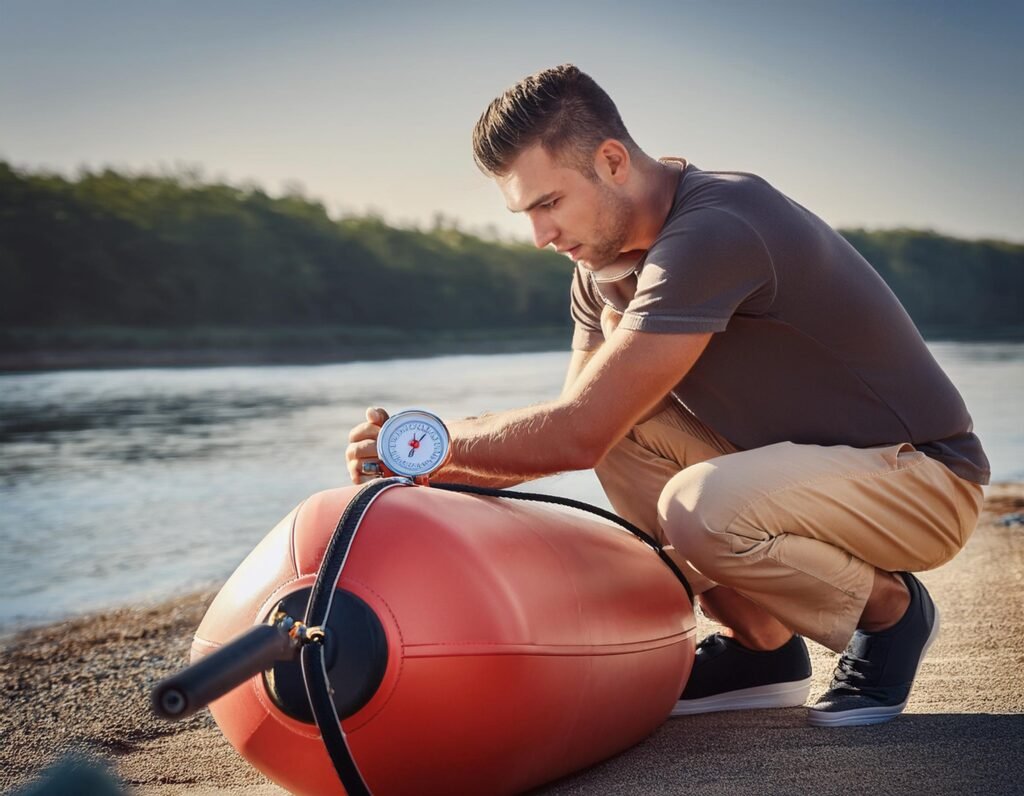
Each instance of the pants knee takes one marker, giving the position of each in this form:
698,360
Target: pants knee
687,511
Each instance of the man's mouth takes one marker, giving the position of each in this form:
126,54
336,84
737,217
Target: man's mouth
571,253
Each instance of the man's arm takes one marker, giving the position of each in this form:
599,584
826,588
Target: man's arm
363,442
453,472
616,386
576,365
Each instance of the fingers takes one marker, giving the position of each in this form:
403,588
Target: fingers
365,450
358,453
375,418
376,415
362,445
364,431
356,457
355,475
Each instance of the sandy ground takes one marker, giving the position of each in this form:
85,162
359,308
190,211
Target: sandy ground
82,686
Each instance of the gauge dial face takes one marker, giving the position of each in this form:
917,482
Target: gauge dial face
413,443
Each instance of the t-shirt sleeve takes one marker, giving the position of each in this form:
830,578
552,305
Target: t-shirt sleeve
585,308
706,267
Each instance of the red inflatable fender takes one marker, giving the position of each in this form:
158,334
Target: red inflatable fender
516,643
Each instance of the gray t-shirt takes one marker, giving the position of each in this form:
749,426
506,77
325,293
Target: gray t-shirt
811,346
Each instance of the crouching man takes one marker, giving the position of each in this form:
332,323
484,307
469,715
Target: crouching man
748,390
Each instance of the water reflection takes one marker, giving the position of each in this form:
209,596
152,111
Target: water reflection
42,437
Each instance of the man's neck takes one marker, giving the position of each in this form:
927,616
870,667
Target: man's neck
657,187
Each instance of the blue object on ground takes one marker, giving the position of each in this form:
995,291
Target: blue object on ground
74,776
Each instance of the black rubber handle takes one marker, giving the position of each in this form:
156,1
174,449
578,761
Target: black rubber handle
194,688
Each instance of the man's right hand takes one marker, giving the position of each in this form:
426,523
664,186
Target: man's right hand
362,445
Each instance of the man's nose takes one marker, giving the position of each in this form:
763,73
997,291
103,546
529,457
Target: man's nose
544,232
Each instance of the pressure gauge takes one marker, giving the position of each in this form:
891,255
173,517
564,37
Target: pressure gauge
413,444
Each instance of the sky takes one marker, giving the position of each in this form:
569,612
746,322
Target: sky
871,113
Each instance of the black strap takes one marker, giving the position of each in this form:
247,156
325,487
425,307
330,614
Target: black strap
577,504
314,665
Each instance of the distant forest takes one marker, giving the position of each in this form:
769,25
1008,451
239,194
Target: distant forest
165,255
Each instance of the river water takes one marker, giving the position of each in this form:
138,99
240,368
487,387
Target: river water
121,486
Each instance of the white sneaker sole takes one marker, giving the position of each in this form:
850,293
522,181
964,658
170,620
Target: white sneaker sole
873,715
776,695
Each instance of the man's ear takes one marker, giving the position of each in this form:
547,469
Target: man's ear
612,161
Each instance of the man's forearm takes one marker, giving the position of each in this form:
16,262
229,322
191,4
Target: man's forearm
514,446
457,475
621,383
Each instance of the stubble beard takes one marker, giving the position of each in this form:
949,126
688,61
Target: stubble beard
611,223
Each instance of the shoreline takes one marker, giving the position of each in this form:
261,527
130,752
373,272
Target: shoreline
114,349
81,686
392,346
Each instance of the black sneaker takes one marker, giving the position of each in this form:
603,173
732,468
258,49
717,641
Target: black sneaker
872,682
728,676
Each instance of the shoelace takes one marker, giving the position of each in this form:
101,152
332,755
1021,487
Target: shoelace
852,670
859,676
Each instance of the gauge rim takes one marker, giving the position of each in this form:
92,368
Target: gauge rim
403,417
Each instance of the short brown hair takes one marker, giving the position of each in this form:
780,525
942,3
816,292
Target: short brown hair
560,108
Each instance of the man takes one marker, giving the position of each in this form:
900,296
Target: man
748,390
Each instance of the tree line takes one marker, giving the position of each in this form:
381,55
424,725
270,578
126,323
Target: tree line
110,249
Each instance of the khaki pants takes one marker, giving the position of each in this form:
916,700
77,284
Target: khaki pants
797,529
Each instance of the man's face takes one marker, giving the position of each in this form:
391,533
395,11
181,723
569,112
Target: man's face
588,220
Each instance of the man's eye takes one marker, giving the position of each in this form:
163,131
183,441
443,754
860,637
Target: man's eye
549,205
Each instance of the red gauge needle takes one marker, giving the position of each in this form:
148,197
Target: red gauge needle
414,444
